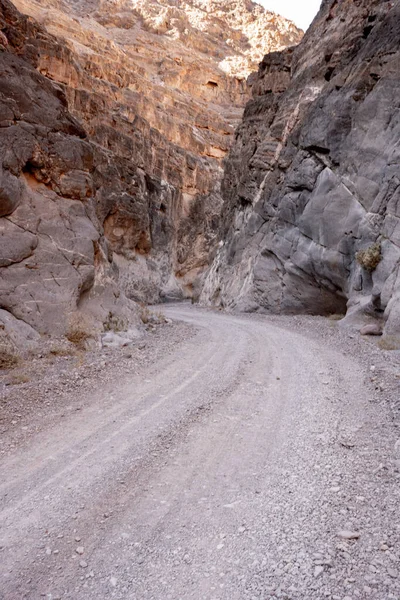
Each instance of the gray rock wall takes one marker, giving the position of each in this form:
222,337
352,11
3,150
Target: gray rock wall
313,177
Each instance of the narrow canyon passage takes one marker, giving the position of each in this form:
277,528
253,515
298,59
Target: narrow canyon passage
240,468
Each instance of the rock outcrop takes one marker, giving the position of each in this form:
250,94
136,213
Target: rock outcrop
54,258
161,84
115,117
311,215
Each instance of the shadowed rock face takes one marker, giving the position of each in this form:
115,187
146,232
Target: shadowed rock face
313,177
54,258
114,119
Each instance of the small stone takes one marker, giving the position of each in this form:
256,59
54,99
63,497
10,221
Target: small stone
48,551
80,550
83,564
113,581
393,573
348,535
397,449
367,589
318,571
372,329
384,547
78,539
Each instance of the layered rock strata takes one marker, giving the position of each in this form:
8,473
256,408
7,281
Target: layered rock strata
54,258
160,85
311,215
114,119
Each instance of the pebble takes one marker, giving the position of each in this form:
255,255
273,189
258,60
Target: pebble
393,573
80,550
348,535
318,571
367,589
83,564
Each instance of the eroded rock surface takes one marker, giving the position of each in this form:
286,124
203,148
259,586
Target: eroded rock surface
311,217
54,259
115,117
160,86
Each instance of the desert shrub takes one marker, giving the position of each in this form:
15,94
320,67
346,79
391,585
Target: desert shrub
115,323
62,351
389,343
19,378
336,317
161,317
78,330
144,313
370,258
8,358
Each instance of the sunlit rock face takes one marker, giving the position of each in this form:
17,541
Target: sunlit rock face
158,88
310,221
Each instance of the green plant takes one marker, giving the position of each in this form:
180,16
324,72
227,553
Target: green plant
370,258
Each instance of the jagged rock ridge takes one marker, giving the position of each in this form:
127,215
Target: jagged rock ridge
113,126
311,187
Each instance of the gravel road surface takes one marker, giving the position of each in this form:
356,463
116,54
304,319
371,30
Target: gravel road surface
253,462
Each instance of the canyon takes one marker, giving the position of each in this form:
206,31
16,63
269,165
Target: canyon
199,452
311,215
129,176
115,118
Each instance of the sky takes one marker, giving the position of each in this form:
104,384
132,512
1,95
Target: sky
302,13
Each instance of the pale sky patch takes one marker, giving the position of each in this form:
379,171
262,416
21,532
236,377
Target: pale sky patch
301,12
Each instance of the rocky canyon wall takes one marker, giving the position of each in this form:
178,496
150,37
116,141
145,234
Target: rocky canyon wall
115,118
311,215
54,258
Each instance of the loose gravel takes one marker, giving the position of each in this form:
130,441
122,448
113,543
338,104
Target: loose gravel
231,458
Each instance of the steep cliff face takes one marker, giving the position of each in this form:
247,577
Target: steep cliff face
54,258
161,86
311,215
114,119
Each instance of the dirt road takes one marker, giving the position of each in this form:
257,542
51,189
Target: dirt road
237,470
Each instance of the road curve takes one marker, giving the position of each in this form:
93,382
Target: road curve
221,476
